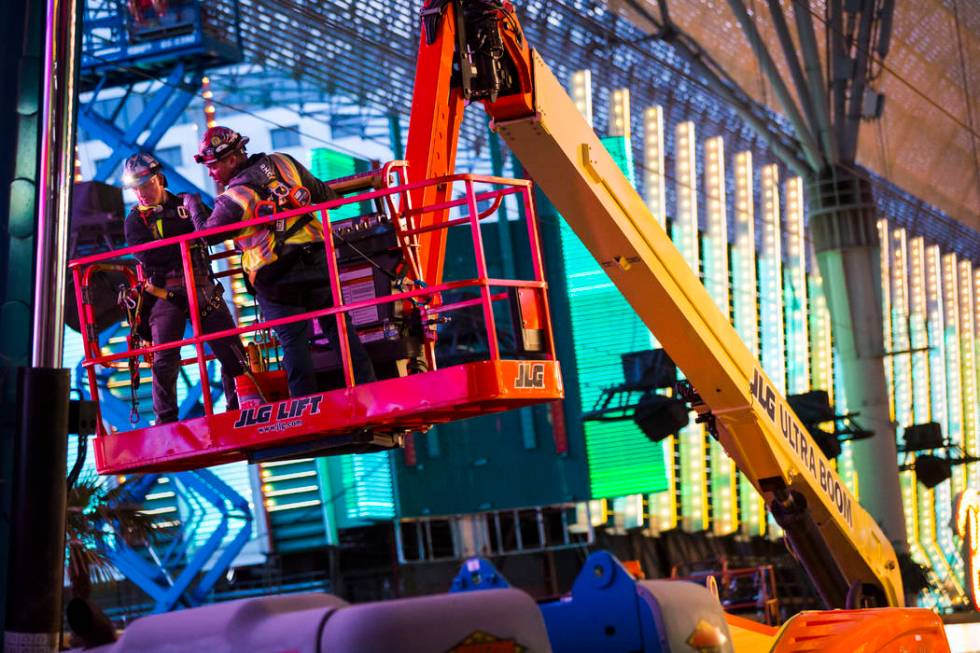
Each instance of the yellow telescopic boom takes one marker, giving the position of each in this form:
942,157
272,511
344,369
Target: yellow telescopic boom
839,544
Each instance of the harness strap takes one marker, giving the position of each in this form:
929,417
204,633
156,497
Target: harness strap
285,197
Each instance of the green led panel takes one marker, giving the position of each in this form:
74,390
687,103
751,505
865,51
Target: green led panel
621,459
329,164
360,488
297,516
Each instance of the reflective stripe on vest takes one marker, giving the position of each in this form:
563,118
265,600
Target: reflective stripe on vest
258,243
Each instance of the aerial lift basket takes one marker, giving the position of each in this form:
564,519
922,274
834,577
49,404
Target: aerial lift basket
514,367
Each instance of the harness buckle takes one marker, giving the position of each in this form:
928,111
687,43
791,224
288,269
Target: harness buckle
265,208
300,196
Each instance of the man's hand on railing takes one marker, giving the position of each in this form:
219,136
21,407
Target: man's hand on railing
195,207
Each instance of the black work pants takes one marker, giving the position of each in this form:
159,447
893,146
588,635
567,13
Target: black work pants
167,323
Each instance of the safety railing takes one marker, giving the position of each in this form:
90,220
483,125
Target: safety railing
740,589
478,190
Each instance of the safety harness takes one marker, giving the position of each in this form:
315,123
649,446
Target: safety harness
178,297
277,196
133,302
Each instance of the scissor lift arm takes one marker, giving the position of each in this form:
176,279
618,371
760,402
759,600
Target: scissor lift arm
838,543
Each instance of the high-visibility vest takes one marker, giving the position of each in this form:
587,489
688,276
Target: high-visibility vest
249,188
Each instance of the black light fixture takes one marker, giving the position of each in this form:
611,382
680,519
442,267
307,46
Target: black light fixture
656,415
648,369
812,407
659,416
924,437
828,442
96,225
932,470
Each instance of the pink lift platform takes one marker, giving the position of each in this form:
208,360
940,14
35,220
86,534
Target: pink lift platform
353,417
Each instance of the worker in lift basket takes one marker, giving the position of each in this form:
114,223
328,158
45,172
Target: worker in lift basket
285,261
160,214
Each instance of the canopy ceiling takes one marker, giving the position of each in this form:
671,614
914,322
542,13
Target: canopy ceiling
926,140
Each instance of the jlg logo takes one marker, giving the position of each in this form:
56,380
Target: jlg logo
530,376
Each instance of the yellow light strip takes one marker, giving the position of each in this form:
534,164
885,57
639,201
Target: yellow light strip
582,93
746,309
716,238
918,333
935,325
270,493
976,349
968,366
269,477
653,163
954,395
902,376
770,268
798,339
921,401
272,506
619,113
686,227
693,458
662,505
724,512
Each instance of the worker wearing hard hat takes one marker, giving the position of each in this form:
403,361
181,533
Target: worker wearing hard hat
285,261
160,214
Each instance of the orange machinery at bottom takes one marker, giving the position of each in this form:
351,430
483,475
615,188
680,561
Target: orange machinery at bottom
888,630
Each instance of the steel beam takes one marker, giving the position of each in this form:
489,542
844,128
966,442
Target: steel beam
815,77
809,146
114,137
795,70
837,57
728,89
859,76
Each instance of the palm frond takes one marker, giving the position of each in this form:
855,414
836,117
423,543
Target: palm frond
99,514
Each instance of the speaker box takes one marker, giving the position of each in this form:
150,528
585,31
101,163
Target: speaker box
97,217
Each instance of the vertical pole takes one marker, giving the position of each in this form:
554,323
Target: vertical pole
565,420
39,42
528,431
342,344
503,224
90,348
433,130
56,175
535,243
844,233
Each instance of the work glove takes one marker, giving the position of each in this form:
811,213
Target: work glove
192,204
